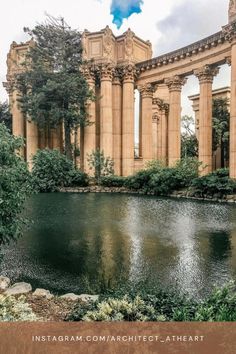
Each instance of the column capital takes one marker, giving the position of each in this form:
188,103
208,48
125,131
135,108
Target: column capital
229,32
117,76
129,73
206,73
147,90
106,72
175,83
88,73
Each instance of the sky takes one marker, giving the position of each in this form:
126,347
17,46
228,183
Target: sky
168,24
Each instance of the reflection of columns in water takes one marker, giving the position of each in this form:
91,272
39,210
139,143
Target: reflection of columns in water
174,139
205,76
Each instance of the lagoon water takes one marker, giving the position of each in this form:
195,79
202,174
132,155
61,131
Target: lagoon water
90,242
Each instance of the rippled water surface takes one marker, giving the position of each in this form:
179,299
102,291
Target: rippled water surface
77,241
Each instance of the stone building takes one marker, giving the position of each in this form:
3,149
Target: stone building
117,66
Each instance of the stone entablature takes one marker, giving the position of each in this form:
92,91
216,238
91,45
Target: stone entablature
104,46
193,49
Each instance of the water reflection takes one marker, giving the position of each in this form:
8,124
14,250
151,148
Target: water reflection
78,242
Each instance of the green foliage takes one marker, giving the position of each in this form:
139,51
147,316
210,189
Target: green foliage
216,182
100,165
52,84
113,181
5,115
220,124
52,170
12,309
163,180
189,143
15,186
78,178
158,305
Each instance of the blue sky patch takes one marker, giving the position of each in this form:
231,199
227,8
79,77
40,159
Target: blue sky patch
121,9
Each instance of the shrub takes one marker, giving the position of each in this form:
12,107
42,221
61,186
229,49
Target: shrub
12,309
163,180
113,181
79,178
140,180
15,186
100,165
52,170
159,305
216,182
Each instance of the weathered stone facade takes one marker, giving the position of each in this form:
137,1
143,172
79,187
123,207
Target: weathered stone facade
116,66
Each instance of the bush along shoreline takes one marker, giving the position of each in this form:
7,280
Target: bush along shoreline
53,172
18,302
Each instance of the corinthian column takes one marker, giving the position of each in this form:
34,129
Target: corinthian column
18,119
146,124
106,120
174,135
117,121
89,131
128,121
205,76
31,141
230,35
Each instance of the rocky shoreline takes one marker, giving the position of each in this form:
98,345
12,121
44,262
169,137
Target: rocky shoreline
184,194
45,305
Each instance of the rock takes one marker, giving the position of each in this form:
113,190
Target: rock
43,293
86,297
19,288
4,282
70,296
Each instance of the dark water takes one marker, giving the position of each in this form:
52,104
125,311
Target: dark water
80,241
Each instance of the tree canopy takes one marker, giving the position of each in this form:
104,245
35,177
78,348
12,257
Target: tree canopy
53,88
15,185
5,115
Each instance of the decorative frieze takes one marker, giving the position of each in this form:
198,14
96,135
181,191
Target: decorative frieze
206,73
175,83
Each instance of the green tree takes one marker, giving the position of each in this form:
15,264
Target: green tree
189,143
101,165
5,115
15,186
53,88
220,121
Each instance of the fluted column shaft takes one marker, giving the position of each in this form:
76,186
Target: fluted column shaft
174,123
205,76
18,120
117,122
106,120
128,122
31,141
146,116
89,131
